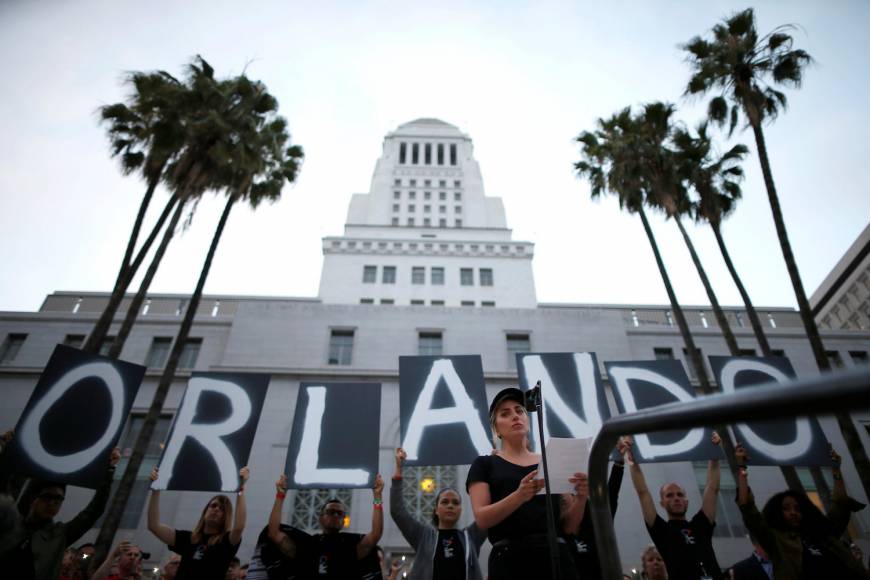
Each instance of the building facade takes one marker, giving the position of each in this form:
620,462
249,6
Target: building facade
395,284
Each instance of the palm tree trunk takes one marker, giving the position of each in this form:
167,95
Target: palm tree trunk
119,501
101,328
754,321
789,472
844,420
714,302
136,304
694,354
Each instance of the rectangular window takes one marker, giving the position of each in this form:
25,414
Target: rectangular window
427,154
397,195
427,209
487,303
453,154
411,222
457,209
159,352
189,353
429,344
366,300
427,222
340,347
466,276
418,302
387,301
397,182
418,275
467,303
389,275
486,276
403,149
691,367
458,223
747,352
662,353
517,343
106,345
394,221
427,182
413,182
395,207
427,195
412,208
859,357
441,154
442,223
415,154
442,209
442,183
370,274
74,340
10,347
457,183
442,195
457,196
412,195
437,303
834,359
437,276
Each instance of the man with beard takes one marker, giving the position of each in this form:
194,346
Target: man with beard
685,545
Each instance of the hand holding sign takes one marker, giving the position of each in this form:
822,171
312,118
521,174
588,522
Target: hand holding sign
580,481
400,461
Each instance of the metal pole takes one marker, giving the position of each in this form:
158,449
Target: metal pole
555,568
826,393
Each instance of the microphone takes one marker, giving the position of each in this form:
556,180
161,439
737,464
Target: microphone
532,398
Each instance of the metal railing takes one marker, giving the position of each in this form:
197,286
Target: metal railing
826,393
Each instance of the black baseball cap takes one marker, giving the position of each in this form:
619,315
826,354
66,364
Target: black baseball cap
508,394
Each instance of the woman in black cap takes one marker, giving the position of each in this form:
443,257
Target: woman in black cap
503,489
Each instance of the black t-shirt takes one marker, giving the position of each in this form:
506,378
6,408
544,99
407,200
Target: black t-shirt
268,563
687,547
503,478
201,561
336,556
818,562
449,561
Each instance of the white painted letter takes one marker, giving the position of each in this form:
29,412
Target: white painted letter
464,412
208,435
307,471
619,378
804,435
31,442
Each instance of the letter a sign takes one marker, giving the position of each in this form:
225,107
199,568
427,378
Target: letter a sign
442,409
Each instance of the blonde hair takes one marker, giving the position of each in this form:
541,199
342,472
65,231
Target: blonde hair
227,506
495,437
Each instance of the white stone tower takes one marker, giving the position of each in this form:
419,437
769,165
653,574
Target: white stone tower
426,234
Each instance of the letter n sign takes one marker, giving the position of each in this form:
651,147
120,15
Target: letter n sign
74,417
335,437
213,432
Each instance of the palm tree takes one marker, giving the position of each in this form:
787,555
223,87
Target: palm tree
145,134
243,146
744,69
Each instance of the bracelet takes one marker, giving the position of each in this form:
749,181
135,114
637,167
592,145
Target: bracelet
377,501
378,506
397,478
281,495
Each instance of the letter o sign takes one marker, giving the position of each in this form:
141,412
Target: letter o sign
30,440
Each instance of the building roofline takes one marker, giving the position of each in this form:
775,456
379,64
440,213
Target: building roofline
842,270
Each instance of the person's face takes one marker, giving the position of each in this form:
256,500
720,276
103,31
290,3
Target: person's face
243,573
791,511
214,513
87,551
171,567
511,420
233,572
69,557
449,509
653,565
857,553
47,503
332,517
673,499
130,561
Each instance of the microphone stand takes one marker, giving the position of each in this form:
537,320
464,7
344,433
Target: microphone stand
535,404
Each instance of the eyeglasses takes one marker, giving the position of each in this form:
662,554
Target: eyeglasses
333,513
51,497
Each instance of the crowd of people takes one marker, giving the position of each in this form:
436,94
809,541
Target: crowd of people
792,539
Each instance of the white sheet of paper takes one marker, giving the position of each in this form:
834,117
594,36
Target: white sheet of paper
565,457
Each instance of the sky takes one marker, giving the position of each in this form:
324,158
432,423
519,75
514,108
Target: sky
522,79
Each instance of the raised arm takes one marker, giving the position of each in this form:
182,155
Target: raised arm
752,518
488,514
279,538
647,506
371,539
163,532
411,529
241,509
106,567
711,490
84,521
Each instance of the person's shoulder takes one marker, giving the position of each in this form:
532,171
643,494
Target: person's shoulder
700,518
483,460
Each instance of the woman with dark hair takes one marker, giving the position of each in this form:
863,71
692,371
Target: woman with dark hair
207,551
801,542
504,496
443,552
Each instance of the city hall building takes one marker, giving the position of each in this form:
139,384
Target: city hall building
426,265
